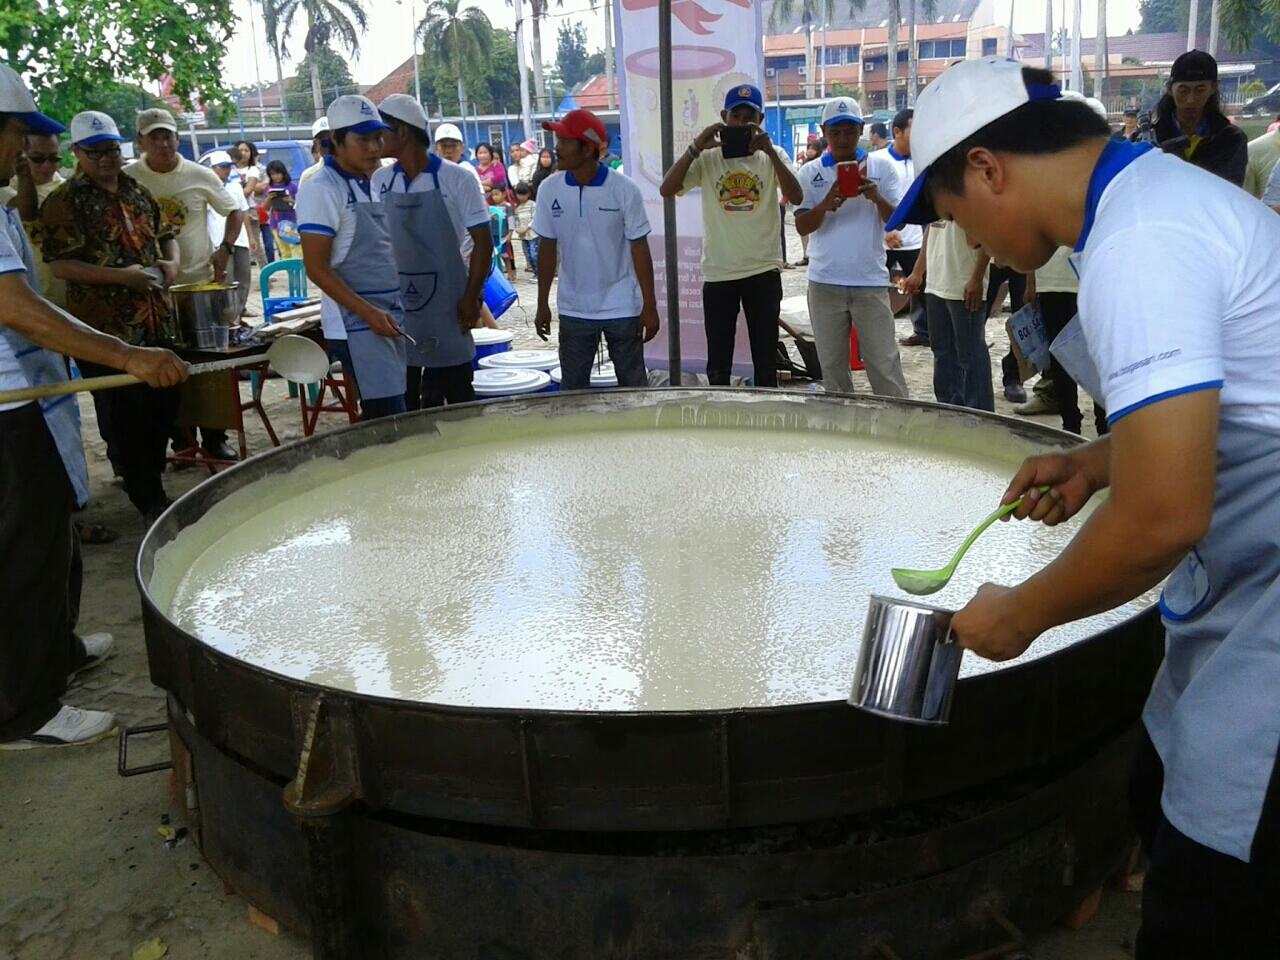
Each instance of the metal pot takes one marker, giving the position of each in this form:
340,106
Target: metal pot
907,664
201,308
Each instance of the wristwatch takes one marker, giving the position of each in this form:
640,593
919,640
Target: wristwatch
693,151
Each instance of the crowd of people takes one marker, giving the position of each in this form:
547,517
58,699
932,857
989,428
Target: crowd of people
1154,274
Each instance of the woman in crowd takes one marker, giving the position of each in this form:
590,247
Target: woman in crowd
489,167
1190,123
280,198
546,167
245,154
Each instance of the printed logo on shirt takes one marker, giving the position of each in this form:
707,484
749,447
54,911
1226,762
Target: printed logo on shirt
555,208
739,191
818,178
173,211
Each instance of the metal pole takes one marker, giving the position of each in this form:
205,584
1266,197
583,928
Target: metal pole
526,111
417,73
1193,21
257,76
239,118
1077,78
1213,29
1048,35
824,59
671,269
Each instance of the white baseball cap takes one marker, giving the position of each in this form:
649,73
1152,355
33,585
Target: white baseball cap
404,107
842,110
447,131
355,113
319,127
16,99
220,158
964,99
90,127
157,118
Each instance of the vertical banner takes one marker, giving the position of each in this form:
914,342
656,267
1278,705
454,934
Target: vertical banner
716,45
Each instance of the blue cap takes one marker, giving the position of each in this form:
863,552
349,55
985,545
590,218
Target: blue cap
745,93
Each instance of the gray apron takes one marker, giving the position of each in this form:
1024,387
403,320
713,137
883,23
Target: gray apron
433,276
41,366
370,272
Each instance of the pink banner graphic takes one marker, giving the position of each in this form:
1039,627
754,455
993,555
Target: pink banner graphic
716,45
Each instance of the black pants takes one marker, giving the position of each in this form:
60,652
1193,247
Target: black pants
141,422
1057,309
1009,372
427,387
782,229
39,575
1198,903
760,299
905,260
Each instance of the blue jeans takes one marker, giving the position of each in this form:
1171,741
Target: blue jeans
961,361
579,340
530,252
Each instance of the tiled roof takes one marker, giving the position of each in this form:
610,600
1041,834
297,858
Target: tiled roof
397,81
1144,47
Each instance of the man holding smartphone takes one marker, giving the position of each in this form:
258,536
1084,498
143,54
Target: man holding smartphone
740,173
843,214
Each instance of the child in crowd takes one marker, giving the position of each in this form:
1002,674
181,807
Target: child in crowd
524,210
500,222
281,196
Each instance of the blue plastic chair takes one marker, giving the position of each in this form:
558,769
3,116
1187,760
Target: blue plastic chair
296,273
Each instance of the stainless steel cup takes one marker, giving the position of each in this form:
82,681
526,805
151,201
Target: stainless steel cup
908,664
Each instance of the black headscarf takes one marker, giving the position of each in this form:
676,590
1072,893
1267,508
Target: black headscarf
540,172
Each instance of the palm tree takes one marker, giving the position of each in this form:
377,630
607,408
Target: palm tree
343,19
810,10
461,38
537,15
929,7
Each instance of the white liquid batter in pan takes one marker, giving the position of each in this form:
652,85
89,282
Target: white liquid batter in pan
536,568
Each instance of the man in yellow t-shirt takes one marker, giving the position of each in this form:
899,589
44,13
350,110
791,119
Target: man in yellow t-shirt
741,257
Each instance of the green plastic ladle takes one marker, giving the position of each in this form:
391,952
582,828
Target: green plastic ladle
923,582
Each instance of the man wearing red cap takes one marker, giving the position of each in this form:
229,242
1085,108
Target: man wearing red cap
593,219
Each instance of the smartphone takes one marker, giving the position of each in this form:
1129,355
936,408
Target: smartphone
735,142
849,178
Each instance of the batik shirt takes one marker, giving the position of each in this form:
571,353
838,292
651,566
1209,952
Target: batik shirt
82,221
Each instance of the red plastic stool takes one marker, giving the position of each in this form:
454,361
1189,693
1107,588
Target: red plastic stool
855,355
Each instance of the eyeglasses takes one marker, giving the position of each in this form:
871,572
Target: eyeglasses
40,158
102,153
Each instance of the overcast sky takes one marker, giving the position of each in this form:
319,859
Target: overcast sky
386,44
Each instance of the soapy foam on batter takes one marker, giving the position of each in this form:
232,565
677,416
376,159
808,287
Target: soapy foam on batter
533,565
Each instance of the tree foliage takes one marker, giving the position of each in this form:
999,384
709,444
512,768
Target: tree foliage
459,38
72,51
492,85
1243,23
326,21
573,63
334,73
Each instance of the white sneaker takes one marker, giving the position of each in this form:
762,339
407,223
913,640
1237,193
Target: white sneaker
97,647
70,725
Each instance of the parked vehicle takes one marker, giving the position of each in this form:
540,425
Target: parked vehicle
295,154
1265,104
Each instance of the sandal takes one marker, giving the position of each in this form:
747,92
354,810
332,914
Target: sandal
95,534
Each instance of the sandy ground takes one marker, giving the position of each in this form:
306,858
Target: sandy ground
87,876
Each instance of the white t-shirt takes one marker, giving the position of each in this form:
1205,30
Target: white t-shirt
185,195
894,175
594,225
218,222
459,189
325,204
1057,275
15,256
1197,258
847,250
949,262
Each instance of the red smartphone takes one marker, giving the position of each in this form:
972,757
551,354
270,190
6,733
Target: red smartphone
849,178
